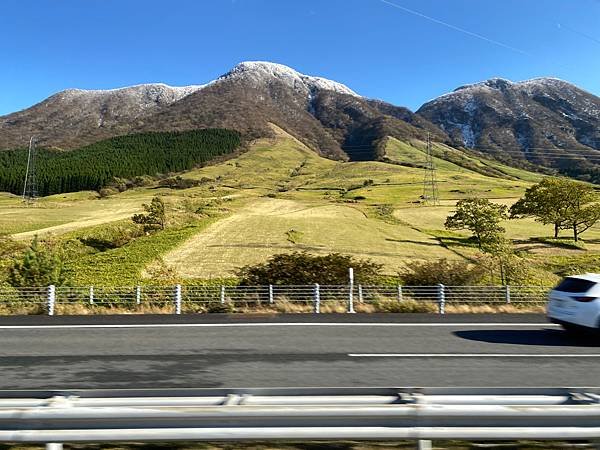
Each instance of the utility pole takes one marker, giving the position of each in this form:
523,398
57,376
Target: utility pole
30,192
430,188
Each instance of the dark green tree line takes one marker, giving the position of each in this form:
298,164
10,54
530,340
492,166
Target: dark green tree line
96,165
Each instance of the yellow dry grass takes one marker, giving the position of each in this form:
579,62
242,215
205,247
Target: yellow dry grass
81,309
493,309
21,309
58,215
281,306
262,229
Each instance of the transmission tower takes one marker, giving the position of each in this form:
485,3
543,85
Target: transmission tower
430,187
30,192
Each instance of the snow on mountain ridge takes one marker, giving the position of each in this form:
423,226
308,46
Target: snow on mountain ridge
255,71
497,83
157,91
263,71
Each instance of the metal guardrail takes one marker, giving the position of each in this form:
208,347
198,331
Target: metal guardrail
301,414
191,298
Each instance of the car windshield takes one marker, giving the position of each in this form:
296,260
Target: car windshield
574,285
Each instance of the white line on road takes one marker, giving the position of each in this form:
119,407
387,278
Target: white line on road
474,355
275,324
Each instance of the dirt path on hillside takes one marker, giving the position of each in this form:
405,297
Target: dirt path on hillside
97,218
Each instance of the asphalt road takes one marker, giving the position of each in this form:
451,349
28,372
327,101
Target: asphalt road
292,351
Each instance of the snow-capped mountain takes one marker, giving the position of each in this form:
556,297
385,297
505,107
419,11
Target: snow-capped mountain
326,115
261,72
538,119
542,119
76,116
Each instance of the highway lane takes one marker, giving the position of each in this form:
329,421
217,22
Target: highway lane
292,350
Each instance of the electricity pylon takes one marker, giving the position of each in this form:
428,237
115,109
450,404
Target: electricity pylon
430,187
30,192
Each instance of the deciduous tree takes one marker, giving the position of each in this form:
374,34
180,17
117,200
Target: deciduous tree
480,216
564,203
545,202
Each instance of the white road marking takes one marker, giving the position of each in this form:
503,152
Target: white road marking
275,324
474,355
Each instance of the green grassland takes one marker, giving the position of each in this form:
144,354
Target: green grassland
280,196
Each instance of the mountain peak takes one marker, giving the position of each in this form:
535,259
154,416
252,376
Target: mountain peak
502,117
503,84
493,83
264,72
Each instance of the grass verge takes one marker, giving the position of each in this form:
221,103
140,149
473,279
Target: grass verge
280,307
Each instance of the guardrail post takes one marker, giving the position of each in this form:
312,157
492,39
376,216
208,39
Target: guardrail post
138,295
351,291
441,299
317,299
51,299
54,446
178,299
271,298
507,294
91,295
222,295
360,293
399,293
424,444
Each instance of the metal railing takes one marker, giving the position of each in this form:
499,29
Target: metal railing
182,298
300,414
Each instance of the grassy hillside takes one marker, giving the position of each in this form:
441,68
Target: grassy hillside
280,196
267,226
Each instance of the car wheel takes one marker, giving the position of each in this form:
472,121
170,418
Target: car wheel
570,328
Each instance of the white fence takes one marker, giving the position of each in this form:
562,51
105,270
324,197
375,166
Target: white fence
189,298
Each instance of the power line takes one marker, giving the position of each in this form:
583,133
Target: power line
580,33
545,152
455,28
503,148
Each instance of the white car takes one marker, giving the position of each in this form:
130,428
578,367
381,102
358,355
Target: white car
575,302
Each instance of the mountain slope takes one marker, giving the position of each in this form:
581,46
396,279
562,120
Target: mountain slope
545,120
325,115
77,117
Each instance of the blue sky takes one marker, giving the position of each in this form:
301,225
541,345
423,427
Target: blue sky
377,49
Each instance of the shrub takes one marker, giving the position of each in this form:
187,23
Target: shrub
110,237
179,183
224,308
8,246
39,266
404,306
107,192
155,216
302,268
451,273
